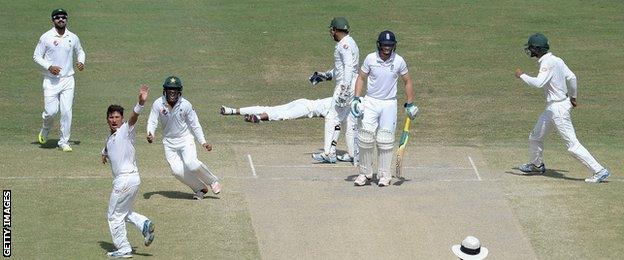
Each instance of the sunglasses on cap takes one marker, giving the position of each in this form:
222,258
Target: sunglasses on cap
57,17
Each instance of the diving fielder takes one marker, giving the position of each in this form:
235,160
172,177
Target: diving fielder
180,124
346,60
121,153
54,53
555,77
381,70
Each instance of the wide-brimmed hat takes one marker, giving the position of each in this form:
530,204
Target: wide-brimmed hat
470,249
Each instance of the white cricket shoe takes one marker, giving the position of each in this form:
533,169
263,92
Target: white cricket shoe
345,158
383,182
119,254
216,187
531,168
600,176
362,179
324,158
148,232
66,148
226,110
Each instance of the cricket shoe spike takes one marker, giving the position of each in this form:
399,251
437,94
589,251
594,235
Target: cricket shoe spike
226,110
532,168
600,176
324,158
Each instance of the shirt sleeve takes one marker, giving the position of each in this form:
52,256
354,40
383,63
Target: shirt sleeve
570,80
348,59
403,68
38,55
544,75
193,122
365,66
152,121
80,54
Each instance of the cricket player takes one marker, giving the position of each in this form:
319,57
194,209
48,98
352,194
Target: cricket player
555,77
346,60
121,154
300,108
381,71
55,54
180,124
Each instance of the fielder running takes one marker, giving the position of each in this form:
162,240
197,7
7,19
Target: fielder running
121,153
54,53
178,120
555,77
300,108
381,70
346,60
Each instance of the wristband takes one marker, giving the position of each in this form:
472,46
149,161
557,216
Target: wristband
138,108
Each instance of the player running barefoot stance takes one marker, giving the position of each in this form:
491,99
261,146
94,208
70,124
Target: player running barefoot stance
121,154
555,77
346,60
180,130
381,71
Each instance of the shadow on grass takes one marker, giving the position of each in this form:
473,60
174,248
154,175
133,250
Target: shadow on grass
551,173
173,195
110,247
53,144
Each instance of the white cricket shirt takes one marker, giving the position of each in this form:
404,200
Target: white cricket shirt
346,60
177,122
553,76
120,150
383,76
58,50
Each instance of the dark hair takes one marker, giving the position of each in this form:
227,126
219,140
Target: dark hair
113,109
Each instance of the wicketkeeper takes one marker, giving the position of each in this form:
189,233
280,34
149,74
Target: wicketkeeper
381,71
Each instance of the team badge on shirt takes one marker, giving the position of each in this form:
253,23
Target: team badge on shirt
55,43
345,46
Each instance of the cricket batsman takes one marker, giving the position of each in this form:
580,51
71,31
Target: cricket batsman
181,129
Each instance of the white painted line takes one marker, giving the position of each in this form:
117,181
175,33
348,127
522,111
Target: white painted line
474,167
253,169
351,166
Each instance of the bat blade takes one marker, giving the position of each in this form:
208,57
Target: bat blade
401,151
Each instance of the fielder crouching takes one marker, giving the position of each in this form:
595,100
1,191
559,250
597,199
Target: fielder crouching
178,120
381,70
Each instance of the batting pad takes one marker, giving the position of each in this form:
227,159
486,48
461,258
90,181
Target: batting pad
385,145
366,141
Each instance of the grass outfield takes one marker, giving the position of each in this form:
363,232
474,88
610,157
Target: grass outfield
462,56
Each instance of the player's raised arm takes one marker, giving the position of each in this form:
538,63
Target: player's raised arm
143,92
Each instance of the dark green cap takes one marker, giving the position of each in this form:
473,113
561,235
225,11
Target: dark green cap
339,23
173,82
538,40
58,11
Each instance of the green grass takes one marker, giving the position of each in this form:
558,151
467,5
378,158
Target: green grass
462,55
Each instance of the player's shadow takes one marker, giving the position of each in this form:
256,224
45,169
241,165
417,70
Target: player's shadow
53,143
174,195
398,182
551,173
110,247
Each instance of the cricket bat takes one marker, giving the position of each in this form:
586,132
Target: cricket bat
402,146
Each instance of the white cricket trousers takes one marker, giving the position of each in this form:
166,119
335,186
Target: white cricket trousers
295,109
379,114
125,189
181,155
335,117
557,114
58,93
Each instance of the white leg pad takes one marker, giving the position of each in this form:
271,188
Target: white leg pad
385,146
366,142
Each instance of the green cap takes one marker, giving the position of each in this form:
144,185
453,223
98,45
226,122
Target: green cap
173,82
339,23
58,11
538,40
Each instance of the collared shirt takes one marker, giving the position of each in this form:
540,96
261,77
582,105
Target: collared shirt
120,150
552,77
177,122
58,50
346,60
383,75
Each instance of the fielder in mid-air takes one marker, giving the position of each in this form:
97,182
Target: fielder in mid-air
346,60
180,124
55,54
121,154
555,77
378,109
300,108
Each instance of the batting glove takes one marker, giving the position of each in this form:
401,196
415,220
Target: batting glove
356,107
317,77
411,110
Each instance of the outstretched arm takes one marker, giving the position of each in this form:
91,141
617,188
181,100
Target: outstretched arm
143,92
